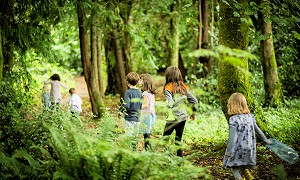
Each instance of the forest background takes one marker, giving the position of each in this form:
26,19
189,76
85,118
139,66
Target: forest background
221,47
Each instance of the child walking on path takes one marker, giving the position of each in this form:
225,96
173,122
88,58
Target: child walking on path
177,94
75,102
132,106
46,96
148,107
55,94
241,149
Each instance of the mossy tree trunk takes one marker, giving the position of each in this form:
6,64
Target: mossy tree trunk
175,34
273,92
233,33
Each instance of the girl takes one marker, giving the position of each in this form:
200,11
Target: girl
148,107
46,96
176,93
55,95
241,149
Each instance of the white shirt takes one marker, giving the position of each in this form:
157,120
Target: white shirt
75,103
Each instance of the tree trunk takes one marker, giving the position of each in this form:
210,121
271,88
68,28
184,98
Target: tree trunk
233,33
120,62
99,66
98,104
273,92
112,76
90,65
8,55
204,44
212,23
1,58
199,39
175,33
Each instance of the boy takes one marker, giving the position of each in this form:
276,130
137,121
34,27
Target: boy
132,105
75,102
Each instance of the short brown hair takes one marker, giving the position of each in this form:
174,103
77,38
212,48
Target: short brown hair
132,78
237,104
71,90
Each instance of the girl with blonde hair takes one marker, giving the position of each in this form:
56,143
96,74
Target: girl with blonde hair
240,153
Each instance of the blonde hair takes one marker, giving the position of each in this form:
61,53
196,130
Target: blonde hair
237,104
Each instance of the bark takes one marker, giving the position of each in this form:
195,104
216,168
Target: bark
272,85
1,58
212,23
204,45
199,39
97,101
90,64
233,33
8,55
112,75
175,33
120,62
181,66
99,66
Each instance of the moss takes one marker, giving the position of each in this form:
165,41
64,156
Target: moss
234,34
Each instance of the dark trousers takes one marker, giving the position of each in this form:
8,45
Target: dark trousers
179,128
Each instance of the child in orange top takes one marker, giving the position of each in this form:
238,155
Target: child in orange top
177,94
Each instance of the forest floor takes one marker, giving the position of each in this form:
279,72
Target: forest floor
269,167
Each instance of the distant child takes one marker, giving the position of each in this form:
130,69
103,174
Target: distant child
46,96
75,102
55,94
240,153
177,95
132,106
148,107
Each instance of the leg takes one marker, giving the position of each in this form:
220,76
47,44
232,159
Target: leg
236,174
146,140
179,132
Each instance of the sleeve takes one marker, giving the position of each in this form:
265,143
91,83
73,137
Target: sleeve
232,137
48,82
259,132
193,100
169,98
64,86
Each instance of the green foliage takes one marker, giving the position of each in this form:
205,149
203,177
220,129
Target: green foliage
284,121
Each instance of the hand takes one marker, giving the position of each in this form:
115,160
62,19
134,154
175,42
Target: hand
268,141
193,117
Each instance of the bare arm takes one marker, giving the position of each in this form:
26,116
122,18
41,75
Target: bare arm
146,102
64,86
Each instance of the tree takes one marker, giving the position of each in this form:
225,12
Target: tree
91,61
233,33
175,33
273,92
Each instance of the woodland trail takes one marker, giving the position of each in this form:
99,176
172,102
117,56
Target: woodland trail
269,167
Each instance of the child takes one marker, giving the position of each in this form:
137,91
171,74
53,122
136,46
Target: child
241,148
176,93
148,107
75,102
55,94
132,105
46,96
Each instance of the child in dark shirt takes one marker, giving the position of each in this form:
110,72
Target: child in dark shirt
132,105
